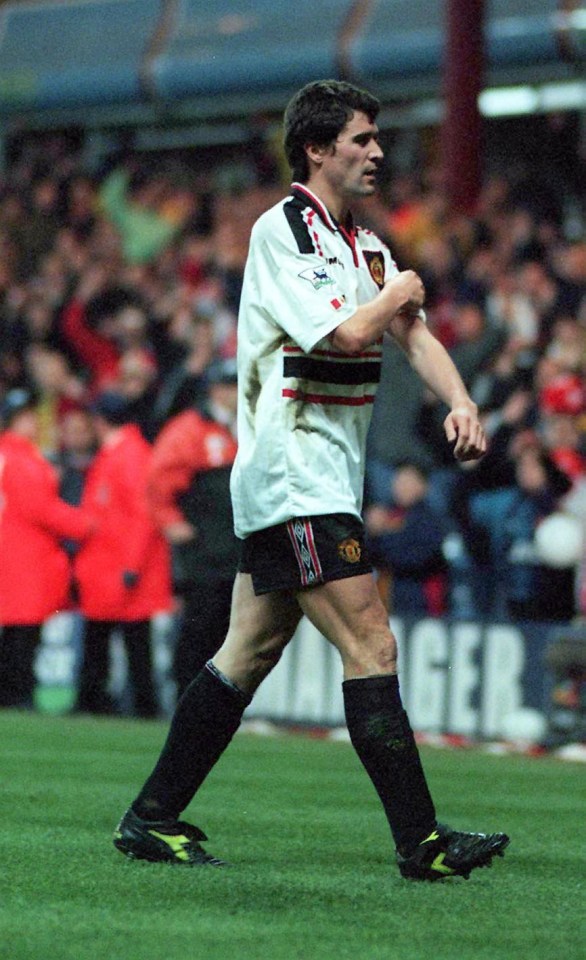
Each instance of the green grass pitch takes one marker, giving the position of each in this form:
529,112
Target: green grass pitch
312,876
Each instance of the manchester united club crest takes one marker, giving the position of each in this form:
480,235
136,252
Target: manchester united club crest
376,266
350,550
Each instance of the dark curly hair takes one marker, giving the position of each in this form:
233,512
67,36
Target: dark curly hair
317,114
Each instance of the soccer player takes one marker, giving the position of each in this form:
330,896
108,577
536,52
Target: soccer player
319,295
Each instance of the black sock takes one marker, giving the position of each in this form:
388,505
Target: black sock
382,737
206,718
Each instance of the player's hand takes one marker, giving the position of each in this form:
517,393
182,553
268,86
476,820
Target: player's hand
407,292
464,430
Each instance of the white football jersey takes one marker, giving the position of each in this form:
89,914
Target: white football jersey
304,408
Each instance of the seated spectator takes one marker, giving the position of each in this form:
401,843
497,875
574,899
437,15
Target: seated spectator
519,587
405,538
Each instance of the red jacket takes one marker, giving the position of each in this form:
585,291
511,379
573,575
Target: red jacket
34,569
126,539
188,445
189,479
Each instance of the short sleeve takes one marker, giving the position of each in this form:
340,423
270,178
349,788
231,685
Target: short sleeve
303,292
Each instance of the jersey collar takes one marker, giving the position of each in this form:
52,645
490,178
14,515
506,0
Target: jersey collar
347,230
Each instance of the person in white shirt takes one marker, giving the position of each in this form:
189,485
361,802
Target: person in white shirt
319,294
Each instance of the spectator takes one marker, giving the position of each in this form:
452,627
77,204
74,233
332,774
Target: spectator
34,572
93,344
57,390
77,449
189,494
137,383
81,206
36,232
183,385
510,309
123,572
405,540
567,345
520,588
562,439
476,345
147,211
394,439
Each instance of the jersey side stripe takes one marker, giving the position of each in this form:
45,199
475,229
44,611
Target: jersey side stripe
293,211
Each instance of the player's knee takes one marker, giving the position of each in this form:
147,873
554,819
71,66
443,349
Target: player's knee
372,655
263,661
251,660
387,655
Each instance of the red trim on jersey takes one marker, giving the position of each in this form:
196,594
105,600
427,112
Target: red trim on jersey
323,212
310,214
328,399
350,236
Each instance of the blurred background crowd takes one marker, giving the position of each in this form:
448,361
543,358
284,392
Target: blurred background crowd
119,292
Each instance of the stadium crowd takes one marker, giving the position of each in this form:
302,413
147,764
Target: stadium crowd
119,291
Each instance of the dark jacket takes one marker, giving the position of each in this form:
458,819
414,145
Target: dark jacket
189,479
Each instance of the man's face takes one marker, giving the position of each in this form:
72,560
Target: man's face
350,164
224,395
26,424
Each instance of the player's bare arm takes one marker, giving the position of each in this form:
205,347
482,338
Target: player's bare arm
435,367
404,292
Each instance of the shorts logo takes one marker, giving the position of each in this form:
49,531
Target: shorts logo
318,277
376,265
349,550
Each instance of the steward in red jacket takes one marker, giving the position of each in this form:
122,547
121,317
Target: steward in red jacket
35,572
123,573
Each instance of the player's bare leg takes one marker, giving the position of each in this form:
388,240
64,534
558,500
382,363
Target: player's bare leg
260,629
351,615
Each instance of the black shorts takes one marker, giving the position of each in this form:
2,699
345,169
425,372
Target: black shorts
305,552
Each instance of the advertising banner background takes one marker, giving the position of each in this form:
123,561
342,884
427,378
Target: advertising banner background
470,679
